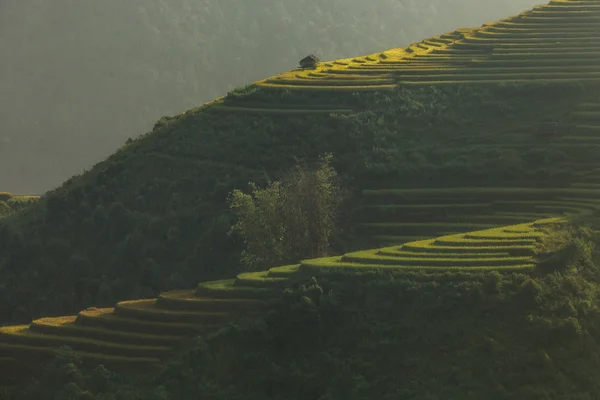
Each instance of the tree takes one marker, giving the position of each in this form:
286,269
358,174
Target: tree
290,219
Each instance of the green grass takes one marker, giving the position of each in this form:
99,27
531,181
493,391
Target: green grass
188,300
395,239
66,326
397,251
588,106
285,271
421,228
371,257
332,82
106,319
473,192
323,267
505,249
347,88
21,335
517,34
146,310
430,245
407,71
460,241
260,280
228,289
507,75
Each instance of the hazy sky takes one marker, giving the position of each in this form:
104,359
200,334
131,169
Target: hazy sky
78,77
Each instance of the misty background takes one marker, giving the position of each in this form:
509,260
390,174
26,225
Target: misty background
79,77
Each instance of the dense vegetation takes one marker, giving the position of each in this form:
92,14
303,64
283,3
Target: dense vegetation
291,219
10,204
154,215
391,335
80,86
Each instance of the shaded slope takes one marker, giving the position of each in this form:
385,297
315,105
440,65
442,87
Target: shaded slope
394,216
153,216
144,332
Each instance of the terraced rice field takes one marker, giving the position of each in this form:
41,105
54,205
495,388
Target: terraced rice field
395,216
558,42
584,131
142,333
504,249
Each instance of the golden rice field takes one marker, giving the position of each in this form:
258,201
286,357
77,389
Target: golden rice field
143,332
556,42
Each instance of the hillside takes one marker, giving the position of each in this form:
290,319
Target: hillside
81,86
141,333
505,313
152,217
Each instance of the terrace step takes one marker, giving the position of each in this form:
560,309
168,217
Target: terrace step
66,326
398,252
105,318
21,335
422,228
436,262
503,235
466,242
581,139
188,300
497,219
332,82
548,205
147,310
408,210
352,88
260,280
589,129
391,240
588,106
507,75
323,267
228,289
587,116
464,248
286,271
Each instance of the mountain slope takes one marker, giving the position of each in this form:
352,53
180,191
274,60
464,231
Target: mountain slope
389,334
145,332
153,216
93,84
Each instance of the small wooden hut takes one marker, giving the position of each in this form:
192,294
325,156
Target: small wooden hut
309,61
